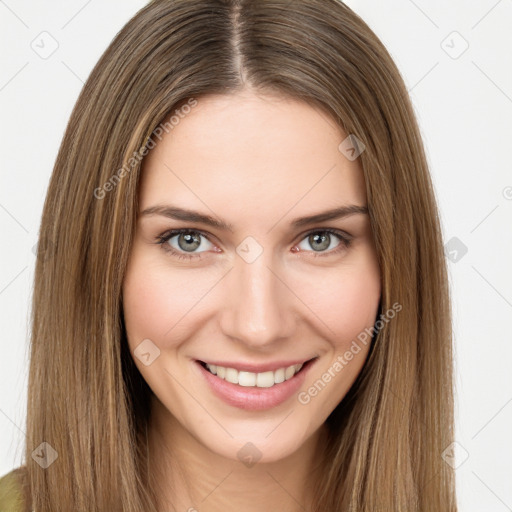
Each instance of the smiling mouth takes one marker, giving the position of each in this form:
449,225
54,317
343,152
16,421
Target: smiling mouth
266,379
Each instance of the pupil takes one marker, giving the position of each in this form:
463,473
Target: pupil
190,240
322,239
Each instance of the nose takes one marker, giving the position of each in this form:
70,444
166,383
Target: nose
258,305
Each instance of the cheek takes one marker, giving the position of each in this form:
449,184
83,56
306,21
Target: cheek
355,301
149,301
349,307
160,302
345,299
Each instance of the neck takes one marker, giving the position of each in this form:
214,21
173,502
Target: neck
189,476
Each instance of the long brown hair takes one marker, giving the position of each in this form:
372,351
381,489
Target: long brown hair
86,398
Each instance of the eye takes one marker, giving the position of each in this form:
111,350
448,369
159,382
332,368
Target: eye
322,242
186,243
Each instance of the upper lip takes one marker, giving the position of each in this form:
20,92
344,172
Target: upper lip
258,368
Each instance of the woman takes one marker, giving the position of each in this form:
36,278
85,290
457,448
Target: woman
240,297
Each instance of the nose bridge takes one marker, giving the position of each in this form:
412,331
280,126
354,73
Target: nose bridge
258,309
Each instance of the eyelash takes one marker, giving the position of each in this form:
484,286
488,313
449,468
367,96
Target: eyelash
345,240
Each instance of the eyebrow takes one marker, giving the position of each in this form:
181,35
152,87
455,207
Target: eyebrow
173,212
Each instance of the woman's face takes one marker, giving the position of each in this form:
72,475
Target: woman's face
248,286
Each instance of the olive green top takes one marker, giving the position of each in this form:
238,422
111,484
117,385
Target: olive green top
11,496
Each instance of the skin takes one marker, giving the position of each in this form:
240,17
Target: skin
257,162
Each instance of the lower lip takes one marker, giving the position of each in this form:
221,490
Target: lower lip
254,398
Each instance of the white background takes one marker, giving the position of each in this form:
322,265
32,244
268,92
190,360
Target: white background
464,107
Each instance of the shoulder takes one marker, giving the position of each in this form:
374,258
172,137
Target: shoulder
11,491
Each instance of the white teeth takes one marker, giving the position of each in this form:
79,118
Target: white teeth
265,379
289,372
250,379
231,375
279,376
246,379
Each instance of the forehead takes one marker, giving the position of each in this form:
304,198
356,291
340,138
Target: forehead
247,153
